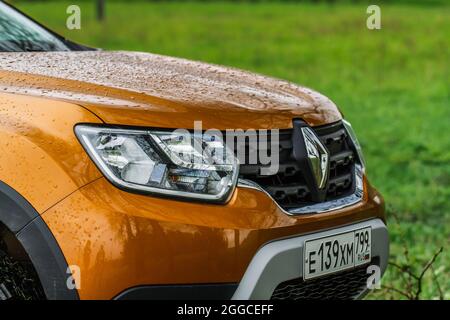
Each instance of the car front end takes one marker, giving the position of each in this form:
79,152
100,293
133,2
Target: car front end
139,176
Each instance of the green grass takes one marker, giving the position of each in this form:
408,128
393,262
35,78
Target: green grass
392,84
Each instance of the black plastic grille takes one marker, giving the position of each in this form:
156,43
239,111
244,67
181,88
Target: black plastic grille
346,285
288,186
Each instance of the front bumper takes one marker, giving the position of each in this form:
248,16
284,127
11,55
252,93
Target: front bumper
119,240
275,263
281,260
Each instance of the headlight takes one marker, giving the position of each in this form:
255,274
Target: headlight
177,164
355,141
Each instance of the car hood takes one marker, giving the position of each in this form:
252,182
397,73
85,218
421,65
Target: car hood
142,89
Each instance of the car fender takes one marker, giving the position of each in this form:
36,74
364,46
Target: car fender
42,159
42,163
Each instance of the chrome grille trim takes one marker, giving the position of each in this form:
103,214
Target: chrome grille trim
336,204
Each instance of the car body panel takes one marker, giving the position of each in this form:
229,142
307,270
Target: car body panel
120,240
42,159
141,89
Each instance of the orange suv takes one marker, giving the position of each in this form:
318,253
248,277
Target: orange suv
136,176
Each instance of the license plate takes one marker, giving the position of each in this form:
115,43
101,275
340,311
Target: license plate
337,253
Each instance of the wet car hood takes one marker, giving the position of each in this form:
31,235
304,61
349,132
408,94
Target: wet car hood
144,89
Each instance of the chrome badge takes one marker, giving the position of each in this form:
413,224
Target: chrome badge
317,155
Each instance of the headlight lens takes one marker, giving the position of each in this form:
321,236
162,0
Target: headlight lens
178,163
355,141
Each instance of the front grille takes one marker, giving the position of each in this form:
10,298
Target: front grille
346,285
288,186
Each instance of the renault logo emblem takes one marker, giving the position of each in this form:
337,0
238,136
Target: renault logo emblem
317,155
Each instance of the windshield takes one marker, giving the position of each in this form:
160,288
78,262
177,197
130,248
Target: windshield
17,33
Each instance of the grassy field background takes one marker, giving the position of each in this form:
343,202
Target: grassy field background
392,84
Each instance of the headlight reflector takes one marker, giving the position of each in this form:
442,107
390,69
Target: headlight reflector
178,164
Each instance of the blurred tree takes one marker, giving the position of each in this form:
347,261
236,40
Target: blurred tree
100,10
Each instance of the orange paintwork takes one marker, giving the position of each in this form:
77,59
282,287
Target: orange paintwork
41,157
129,88
119,239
